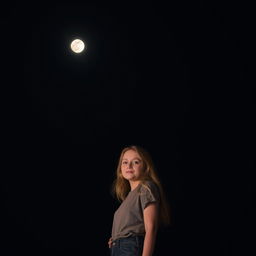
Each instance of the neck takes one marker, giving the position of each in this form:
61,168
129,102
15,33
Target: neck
134,184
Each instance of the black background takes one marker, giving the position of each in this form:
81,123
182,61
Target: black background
175,78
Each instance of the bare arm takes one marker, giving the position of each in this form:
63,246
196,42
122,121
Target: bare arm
150,220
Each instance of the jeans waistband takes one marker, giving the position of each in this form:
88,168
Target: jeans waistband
137,238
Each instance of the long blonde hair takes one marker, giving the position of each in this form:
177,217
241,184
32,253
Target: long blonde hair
121,186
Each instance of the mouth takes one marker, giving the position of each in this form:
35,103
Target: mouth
129,172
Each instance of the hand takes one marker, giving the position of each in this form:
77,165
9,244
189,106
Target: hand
110,241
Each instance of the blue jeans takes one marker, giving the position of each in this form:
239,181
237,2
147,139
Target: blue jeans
129,246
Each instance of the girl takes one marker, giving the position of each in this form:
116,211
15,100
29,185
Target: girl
143,208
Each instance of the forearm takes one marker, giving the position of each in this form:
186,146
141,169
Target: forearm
149,243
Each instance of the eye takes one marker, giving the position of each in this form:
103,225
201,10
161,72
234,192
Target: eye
136,161
124,162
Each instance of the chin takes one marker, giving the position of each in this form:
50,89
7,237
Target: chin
129,178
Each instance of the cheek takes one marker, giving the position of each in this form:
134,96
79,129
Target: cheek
122,171
138,169
141,169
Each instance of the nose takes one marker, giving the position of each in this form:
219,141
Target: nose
130,165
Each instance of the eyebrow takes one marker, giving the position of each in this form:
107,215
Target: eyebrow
132,159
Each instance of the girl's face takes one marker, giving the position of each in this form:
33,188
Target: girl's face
131,165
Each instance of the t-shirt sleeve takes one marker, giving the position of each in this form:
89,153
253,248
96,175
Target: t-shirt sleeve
149,195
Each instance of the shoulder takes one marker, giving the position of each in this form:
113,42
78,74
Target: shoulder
149,184
149,187
148,193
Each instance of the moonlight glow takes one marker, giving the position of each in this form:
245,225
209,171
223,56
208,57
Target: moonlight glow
77,46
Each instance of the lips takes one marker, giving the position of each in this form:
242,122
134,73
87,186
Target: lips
129,172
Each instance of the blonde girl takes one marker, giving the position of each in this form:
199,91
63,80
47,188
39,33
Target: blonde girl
143,205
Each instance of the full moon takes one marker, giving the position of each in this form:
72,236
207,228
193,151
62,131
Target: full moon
77,46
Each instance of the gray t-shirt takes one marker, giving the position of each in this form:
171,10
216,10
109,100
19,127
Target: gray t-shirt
128,218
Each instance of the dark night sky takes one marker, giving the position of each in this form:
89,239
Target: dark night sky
176,79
